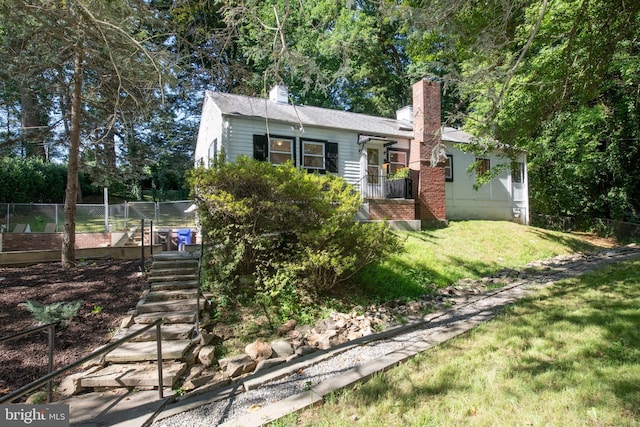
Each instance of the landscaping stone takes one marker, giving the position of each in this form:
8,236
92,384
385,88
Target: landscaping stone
281,348
206,356
258,350
269,363
287,327
238,365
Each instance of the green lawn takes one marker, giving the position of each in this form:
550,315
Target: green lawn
464,249
569,356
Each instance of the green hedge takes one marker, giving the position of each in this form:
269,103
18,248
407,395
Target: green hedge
35,181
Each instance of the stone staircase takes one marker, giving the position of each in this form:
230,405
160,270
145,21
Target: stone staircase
172,295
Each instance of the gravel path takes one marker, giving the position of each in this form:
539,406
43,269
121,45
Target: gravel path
476,307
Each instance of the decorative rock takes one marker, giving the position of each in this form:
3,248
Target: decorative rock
305,349
269,363
206,356
238,365
287,327
206,338
281,348
127,321
258,350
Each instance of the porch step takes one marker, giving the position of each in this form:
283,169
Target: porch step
169,307
147,351
175,317
134,375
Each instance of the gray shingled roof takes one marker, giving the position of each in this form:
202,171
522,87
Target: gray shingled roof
239,105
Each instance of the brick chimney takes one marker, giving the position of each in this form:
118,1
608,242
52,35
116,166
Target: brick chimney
431,206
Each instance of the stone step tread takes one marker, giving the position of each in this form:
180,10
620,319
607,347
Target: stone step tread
175,262
134,375
171,331
169,306
147,351
168,294
170,318
174,285
173,278
175,256
171,265
177,271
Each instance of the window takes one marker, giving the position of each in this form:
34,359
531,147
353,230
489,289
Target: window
482,166
213,149
397,161
373,165
448,168
313,155
517,172
280,150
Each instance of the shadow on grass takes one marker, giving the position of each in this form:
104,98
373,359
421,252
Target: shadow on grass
579,336
573,243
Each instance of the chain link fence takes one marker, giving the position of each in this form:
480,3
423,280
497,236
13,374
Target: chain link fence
623,231
91,218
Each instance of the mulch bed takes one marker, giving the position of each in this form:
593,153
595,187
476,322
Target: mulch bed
108,289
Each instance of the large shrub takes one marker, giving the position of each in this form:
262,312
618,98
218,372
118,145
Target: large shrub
279,234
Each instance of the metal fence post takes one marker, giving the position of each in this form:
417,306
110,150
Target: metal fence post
52,332
159,356
142,245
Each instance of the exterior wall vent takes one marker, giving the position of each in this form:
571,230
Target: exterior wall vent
279,94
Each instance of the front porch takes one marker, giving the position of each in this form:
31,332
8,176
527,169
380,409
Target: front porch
385,187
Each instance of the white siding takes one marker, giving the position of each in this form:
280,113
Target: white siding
240,141
210,130
495,200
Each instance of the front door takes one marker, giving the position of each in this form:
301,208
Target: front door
373,181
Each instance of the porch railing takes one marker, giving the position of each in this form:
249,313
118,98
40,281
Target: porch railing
382,187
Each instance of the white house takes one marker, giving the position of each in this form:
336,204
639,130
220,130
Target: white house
410,169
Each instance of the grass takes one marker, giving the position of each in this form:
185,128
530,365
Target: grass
464,249
568,356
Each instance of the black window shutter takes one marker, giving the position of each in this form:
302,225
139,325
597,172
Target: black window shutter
332,157
260,147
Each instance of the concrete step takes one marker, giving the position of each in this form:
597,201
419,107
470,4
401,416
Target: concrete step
166,294
170,318
169,306
147,351
170,285
171,331
134,375
173,278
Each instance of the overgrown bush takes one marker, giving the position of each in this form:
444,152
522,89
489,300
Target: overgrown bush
278,234
58,312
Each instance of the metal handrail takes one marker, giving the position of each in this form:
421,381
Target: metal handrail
106,349
51,329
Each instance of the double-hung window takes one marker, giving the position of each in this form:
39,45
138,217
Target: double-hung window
448,168
280,150
313,155
517,172
397,161
482,166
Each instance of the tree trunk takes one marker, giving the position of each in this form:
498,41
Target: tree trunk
69,234
32,133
